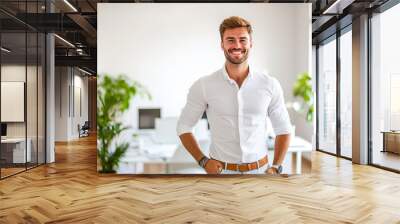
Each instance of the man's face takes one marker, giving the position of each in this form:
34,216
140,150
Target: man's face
236,44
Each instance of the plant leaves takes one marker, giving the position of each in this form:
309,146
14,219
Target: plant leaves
114,96
303,89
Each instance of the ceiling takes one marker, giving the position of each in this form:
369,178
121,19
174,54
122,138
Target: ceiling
76,21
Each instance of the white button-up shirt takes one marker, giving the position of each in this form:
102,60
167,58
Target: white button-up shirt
237,116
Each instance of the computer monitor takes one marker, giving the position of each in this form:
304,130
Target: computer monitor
3,129
147,117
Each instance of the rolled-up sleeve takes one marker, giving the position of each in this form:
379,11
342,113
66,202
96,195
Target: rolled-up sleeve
193,110
277,111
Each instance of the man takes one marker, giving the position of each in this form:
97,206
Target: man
237,101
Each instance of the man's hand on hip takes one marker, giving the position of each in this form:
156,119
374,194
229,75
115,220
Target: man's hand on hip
213,167
271,170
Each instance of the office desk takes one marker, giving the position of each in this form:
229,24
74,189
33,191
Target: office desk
391,141
301,153
150,154
155,158
15,148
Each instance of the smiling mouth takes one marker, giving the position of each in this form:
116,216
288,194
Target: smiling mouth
237,52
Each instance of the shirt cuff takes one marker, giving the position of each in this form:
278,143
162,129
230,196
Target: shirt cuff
284,130
182,129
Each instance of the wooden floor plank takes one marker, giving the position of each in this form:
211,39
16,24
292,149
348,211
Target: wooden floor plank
71,191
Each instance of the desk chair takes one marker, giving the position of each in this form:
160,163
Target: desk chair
84,130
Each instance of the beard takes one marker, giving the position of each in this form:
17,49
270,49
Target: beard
236,61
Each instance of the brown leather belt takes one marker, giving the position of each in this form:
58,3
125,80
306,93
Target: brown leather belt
244,167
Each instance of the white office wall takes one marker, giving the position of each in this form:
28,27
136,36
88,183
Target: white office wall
12,100
67,116
62,81
166,47
16,73
304,59
80,107
34,124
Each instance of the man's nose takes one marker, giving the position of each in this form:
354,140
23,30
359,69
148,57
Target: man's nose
237,44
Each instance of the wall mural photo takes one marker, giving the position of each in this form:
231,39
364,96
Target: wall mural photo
204,89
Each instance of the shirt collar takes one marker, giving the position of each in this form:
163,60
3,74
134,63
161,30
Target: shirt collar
226,76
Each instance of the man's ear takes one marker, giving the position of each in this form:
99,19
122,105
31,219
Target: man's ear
222,45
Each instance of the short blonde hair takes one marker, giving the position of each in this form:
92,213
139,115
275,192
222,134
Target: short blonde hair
234,22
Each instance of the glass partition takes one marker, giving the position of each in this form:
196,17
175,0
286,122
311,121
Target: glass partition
22,88
385,89
14,153
31,97
327,96
346,94
41,109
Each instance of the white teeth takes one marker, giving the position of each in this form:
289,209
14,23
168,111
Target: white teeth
236,52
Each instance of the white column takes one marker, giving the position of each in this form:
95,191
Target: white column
360,90
50,100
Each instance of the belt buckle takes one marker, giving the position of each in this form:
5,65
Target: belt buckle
243,165
240,167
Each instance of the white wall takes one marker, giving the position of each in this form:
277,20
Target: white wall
304,59
33,125
12,73
166,47
61,103
15,73
67,80
80,84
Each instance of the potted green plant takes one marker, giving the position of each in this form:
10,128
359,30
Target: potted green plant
114,95
303,89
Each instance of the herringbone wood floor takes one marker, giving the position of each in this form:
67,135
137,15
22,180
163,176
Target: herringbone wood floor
71,191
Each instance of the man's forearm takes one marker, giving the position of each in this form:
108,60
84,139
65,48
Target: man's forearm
281,146
191,145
